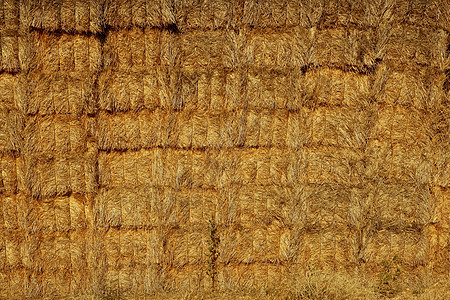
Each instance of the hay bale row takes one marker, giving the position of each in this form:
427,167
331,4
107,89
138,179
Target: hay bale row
140,49
217,90
260,166
57,134
90,16
222,90
67,15
223,168
274,49
241,128
188,14
49,175
30,50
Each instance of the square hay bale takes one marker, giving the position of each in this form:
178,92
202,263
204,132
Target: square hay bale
320,164
347,13
228,208
138,50
409,127
341,48
12,45
57,134
13,240
11,127
399,163
409,85
334,87
400,206
10,16
141,13
201,50
325,204
232,129
239,276
59,93
69,53
9,85
274,50
191,15
299,128
8,175
344,248
124,206
196,248
176,254
339,127
442,207
421,45
264,13
121,131
47,176
65,15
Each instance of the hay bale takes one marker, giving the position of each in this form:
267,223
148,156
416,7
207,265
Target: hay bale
434,14
11,126
420,45
122,92
191,15
47,175
400,163
333,87
201,50
404,126
409,85
9,181
341,48
141,13
59,93
321,164
9,18
55,52
57,134
10,52
69,16
139,49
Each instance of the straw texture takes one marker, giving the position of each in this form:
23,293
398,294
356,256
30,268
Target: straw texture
179,145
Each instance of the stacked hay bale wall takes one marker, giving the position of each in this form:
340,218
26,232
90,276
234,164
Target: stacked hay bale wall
302,134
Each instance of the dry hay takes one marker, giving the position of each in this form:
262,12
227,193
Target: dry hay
313,136
66,15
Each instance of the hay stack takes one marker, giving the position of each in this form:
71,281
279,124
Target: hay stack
304,134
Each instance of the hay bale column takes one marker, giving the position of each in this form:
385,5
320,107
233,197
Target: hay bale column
18,244
60,156
49,215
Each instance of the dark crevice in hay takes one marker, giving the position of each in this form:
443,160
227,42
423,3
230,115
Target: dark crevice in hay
172,28
59,32
447,81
